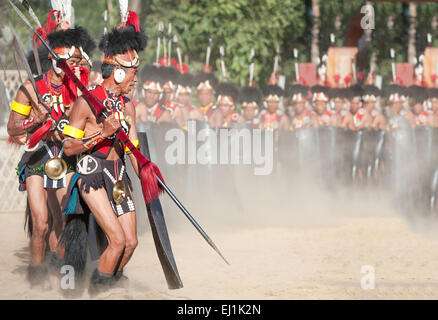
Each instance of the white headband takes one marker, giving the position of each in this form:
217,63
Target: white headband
86,57
273,97
395,97
69,54
153,85
247,103
226,98
171,85
320,96
180,88
204,85
369,97
297,97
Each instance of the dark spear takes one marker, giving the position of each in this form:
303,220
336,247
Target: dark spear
98,109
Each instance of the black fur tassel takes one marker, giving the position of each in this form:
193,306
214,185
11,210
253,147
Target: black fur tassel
74,239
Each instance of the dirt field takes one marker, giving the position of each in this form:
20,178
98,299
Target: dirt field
308,249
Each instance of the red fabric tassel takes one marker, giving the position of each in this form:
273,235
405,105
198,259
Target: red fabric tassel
85,76
69,95
11,140
133,20
149,183
150,187
42,33
40,133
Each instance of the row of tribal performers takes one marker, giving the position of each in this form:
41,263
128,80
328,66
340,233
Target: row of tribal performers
168,97
168,94
358,107
362,109
45,168
73,160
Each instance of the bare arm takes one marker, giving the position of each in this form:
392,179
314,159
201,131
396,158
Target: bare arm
80,116
27,97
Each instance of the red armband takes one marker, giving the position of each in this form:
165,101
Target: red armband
29,124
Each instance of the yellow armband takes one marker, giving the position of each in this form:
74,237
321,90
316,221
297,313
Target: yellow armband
135,143
20,108
73,132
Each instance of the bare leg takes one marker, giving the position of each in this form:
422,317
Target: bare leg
129,226
97,201
54,211
61,197
37,196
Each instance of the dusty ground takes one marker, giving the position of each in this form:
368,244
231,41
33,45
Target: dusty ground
306,250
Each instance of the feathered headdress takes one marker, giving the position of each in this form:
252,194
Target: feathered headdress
122,44
228,90
250,94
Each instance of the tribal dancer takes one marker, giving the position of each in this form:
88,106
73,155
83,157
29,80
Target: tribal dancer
44,169
373,118
342,118
103,183
417,115
320,99
168,76
270,117
150,109
251,99
303,115
183,98
357,108
225,111
205,86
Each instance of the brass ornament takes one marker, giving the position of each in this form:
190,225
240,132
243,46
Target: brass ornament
119,192
56,168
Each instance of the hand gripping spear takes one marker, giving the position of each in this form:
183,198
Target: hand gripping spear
150,176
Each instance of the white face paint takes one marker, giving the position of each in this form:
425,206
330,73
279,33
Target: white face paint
57,70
